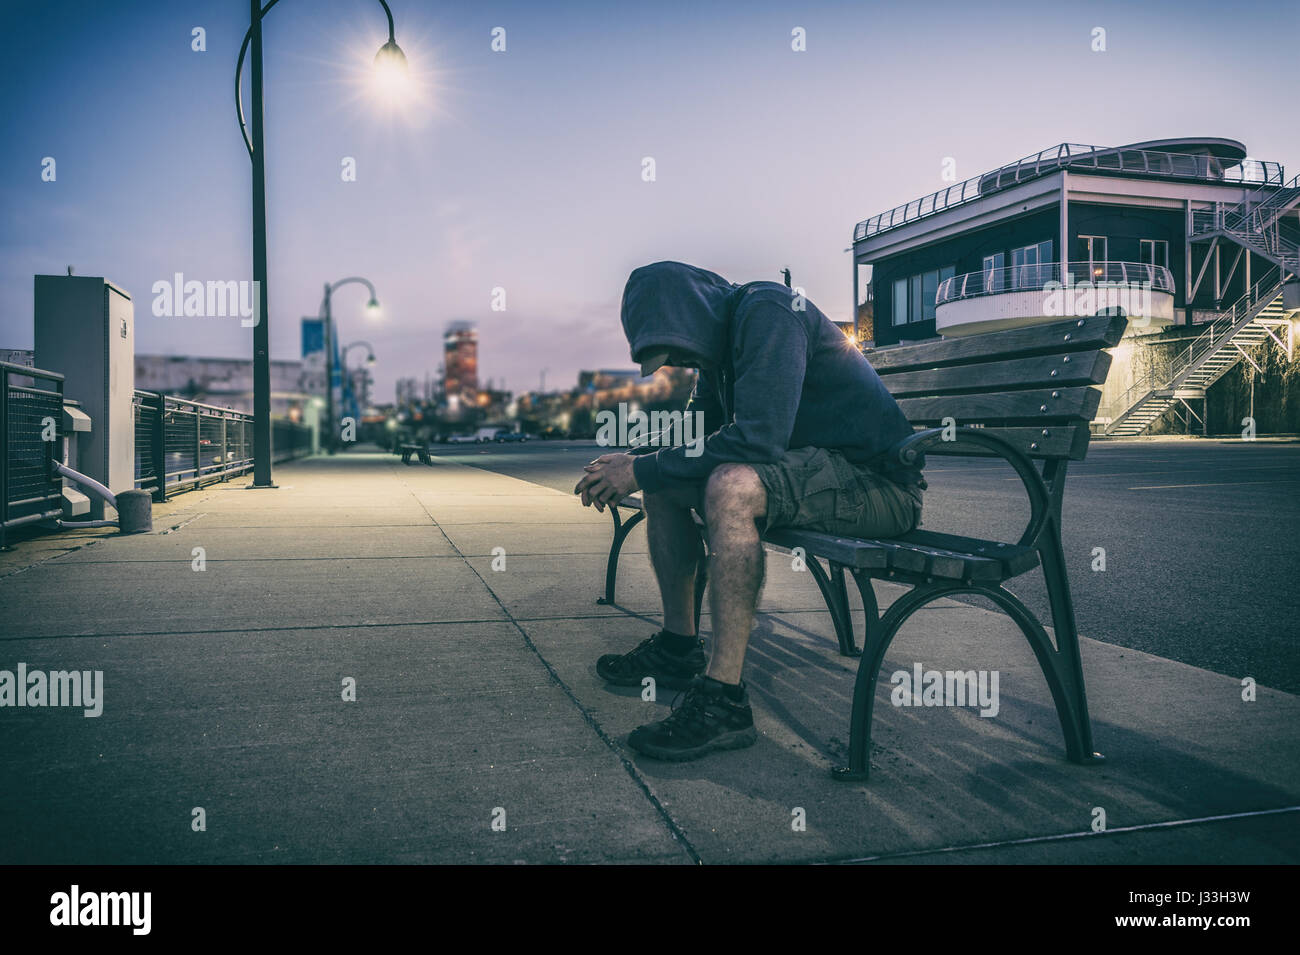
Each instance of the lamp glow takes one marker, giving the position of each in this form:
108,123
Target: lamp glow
392,76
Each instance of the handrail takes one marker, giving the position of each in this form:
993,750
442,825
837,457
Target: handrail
215,409
1106,159
1214,335
1028,278
1251,213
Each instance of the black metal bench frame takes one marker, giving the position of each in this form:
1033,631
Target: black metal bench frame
937,565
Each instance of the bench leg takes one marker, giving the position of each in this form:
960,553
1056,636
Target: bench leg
621,529
1057,667
870,608
836,595
877,639
1061,663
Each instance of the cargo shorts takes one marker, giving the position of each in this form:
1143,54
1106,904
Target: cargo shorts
820,490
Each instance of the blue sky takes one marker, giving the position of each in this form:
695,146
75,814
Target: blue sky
522,169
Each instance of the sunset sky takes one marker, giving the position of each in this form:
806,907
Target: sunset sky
523,169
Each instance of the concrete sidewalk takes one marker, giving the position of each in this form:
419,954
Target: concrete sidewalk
477,700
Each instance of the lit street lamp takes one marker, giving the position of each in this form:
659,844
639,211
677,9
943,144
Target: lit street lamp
390,66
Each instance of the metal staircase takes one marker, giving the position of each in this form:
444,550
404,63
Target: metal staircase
1205,359
1257,223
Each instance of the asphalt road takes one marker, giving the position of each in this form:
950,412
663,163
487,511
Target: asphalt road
1200,540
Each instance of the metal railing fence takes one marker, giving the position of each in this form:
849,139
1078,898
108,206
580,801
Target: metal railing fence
31,423
182,444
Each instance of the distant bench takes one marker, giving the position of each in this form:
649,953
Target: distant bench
420,450
1023,395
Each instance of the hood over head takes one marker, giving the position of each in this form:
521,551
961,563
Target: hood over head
670,306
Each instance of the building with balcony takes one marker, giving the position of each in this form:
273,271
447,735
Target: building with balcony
1196,243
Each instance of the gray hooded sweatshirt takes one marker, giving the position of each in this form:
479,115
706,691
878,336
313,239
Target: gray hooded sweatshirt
775,374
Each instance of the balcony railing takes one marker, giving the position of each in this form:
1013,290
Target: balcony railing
1137,162
1035,278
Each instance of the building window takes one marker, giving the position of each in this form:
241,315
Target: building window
1155,252
900,302
1031,265
929,287
1092,249
930,283
914,296
994,276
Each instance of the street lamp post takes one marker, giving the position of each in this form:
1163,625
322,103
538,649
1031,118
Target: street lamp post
370,362
389,61
372,307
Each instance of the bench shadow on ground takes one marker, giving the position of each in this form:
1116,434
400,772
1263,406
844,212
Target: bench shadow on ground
929,764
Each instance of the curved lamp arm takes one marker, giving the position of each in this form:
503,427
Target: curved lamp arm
239,68
346,348
356,280
911,448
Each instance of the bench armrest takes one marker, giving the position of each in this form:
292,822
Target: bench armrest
911,448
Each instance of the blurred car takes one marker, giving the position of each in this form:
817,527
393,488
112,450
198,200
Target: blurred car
462,439
505,437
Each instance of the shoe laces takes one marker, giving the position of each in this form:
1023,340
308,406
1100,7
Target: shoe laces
687,710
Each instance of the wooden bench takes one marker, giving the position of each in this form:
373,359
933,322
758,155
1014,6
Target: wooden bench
420,450
1024,395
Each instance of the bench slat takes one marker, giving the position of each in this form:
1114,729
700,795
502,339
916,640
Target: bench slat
1054,441
848,551
1007,407
926,553
1098,331
1015,560
1054,371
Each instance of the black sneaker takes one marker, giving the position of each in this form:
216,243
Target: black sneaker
703,720
652,659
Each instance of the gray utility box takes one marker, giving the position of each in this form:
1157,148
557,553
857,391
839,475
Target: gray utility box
85,329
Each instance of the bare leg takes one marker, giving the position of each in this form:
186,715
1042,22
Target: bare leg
734,498
675,550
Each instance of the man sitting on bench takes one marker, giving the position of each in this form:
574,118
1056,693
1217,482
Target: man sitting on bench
798,425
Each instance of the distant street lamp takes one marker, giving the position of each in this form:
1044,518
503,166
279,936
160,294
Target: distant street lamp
370,362
326,314
390,68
